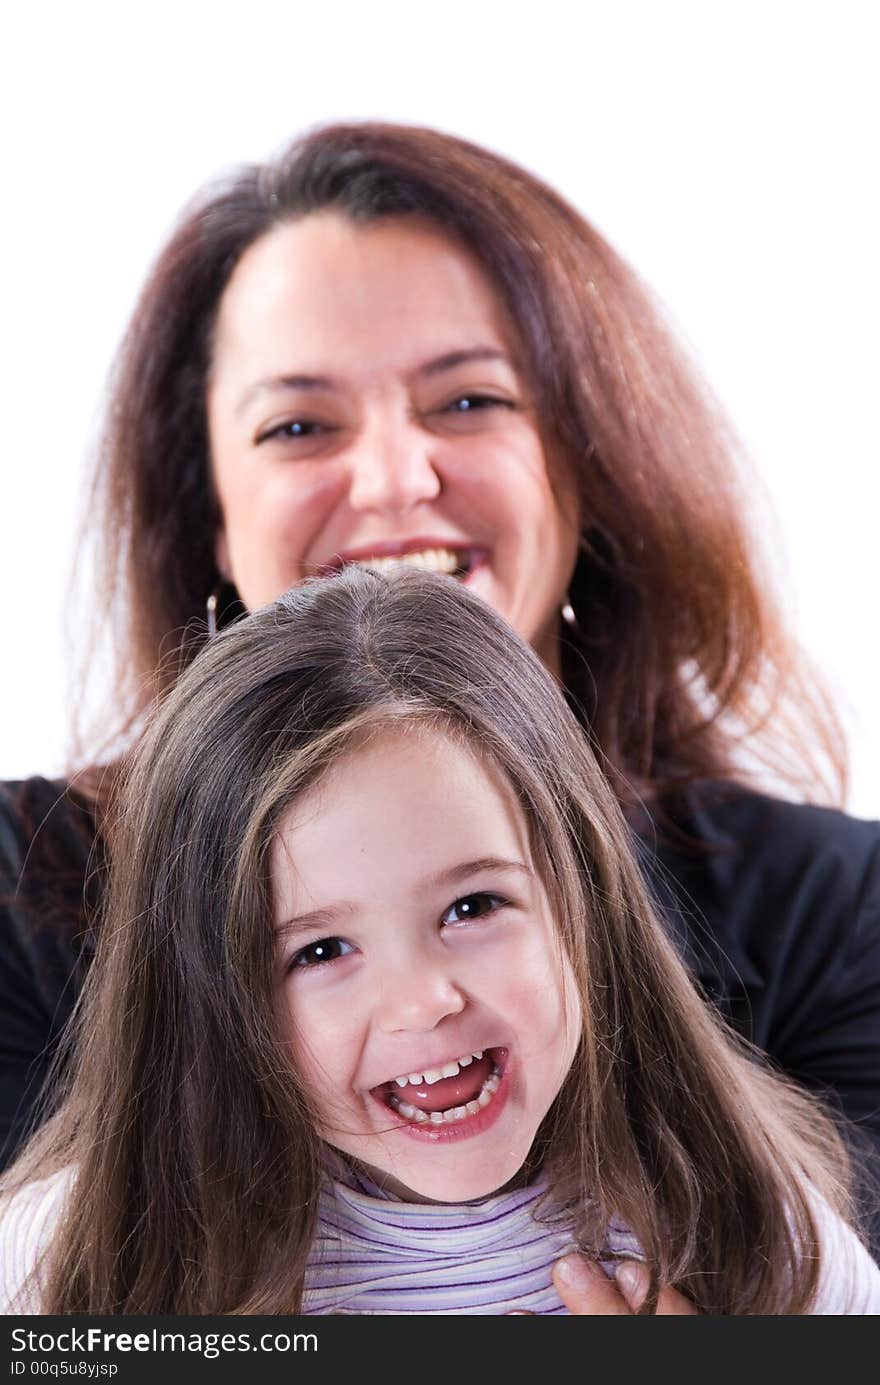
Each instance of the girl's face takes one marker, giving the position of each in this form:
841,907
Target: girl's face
432,1014
366,402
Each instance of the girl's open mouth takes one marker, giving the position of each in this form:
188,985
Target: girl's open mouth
463,1098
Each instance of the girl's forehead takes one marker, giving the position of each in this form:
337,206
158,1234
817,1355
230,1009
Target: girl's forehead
407,764
407,802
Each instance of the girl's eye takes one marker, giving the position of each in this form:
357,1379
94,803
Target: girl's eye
471,907
324,950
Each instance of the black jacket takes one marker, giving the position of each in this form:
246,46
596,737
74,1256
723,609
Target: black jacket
777,915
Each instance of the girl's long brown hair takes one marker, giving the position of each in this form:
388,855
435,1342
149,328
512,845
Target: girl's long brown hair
196,1166
678,658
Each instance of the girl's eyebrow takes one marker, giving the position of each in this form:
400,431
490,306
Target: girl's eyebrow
326,382
454,874
329,915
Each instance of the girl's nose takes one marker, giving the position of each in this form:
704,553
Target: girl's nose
416,999
392,470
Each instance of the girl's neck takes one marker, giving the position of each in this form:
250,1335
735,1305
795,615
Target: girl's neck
375,1183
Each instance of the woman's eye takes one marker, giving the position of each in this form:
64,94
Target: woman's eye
471,907
476,403
293,429
324,950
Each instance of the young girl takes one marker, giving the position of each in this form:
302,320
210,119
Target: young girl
381,1020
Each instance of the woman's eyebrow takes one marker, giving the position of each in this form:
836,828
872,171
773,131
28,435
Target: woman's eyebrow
284,382
449,361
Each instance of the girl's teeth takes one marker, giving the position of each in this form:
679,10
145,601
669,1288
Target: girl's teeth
431,1075
452,1113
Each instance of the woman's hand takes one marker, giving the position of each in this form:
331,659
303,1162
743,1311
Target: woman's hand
584,1287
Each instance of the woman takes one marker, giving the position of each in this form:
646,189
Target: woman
391,345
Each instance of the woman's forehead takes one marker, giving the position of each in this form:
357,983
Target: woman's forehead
330,295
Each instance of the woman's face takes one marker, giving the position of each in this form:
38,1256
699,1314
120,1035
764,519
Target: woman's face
432,1014
366,404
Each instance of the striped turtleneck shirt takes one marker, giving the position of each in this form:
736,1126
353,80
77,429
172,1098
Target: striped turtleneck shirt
376,1255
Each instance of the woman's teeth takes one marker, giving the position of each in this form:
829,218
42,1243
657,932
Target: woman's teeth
432,559
453,1113
431,1075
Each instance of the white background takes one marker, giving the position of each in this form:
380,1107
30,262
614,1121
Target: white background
728,150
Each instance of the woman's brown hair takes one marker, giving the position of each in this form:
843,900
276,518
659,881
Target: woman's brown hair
196,1164
676,658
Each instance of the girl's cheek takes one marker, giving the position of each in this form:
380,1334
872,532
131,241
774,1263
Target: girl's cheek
325,1028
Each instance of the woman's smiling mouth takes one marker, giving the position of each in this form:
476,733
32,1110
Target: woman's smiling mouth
431,554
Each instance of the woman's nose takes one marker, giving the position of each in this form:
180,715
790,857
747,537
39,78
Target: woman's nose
417,998
392,469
